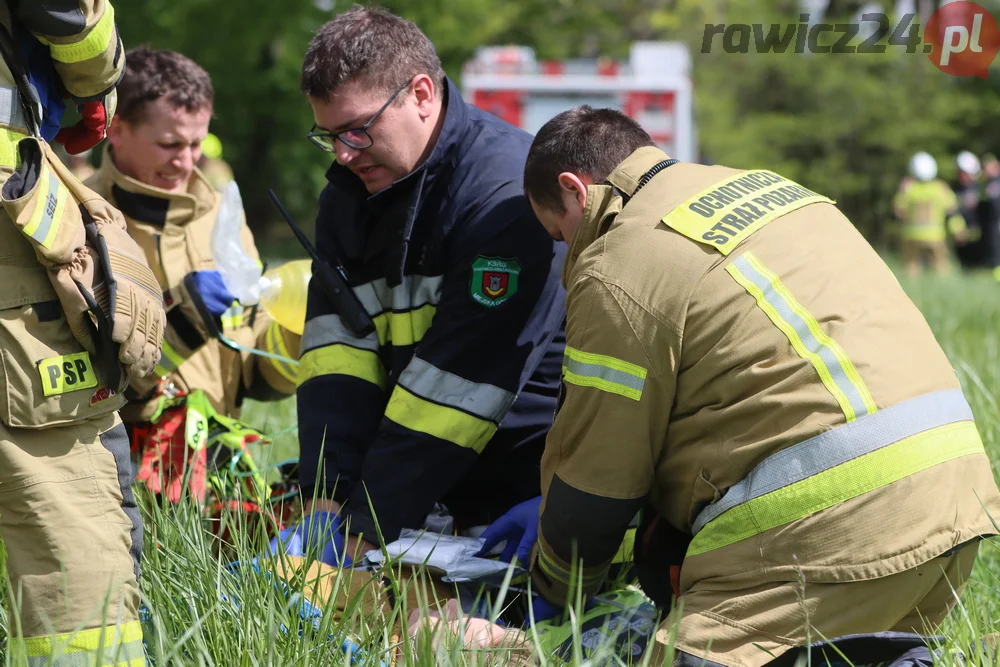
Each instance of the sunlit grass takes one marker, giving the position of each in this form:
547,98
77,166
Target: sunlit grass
201,609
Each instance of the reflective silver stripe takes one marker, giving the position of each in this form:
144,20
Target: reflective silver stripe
414,292
604,373
42,231
11,111
329,329
828,450
417,291
482,400
369,297
122,654
785,311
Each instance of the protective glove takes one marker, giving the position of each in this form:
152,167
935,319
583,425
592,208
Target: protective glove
95,119
543,610
111,298
316,534
519,527
212,291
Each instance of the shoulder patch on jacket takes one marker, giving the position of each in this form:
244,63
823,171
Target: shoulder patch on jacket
494,280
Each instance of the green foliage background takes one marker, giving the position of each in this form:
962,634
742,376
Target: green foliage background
844,125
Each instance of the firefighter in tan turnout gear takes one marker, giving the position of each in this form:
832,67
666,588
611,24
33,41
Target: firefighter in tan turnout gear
148,171
744,370
80,315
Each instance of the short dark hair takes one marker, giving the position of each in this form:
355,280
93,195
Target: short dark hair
151,74
370,44
583,140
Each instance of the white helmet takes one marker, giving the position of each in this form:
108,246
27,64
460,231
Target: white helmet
923,167
968,163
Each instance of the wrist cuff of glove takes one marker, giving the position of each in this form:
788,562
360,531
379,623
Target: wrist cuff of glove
187,336
200,325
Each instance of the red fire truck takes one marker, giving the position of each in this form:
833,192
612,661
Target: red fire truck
653,87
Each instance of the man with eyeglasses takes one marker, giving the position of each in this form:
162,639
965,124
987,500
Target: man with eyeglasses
449,399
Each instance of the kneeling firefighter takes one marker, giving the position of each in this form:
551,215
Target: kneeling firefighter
80,315
743,369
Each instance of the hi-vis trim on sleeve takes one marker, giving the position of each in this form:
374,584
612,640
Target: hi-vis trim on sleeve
725,214
480,399
414,292
402,314
599,371
403,329
274,343
330,330
66,373
232,318
44,222
94,44
170,360
342,360
441,421
586,580
120,647
808,340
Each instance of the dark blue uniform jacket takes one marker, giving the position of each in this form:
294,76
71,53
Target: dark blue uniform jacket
450,399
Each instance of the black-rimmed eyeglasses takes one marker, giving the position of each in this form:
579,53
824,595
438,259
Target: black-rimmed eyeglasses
356,138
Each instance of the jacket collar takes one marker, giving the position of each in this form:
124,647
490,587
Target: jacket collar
605,202
152,205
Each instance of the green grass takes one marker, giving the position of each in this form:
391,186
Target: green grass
200,613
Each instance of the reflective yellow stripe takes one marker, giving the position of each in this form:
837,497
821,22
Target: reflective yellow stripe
66,373
9,157
342,360
440,421
555,571
600,371
125,640
170,361
933,232
232,318
47,216
91,46
61,198
404,328
808,340
274,342
848,480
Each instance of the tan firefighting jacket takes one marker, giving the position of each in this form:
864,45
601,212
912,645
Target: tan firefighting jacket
740,359
35,340
175,231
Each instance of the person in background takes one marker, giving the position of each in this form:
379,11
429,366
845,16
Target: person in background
148,171
929,212
990,211
216,170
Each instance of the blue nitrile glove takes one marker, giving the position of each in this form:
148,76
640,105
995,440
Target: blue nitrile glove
519,527
543,609
213,291
317,534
